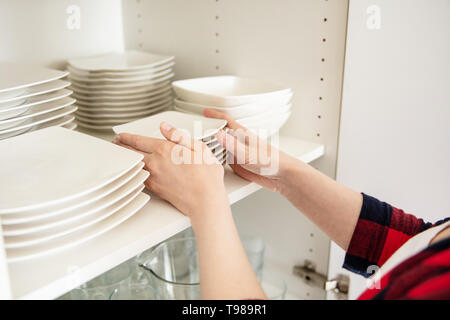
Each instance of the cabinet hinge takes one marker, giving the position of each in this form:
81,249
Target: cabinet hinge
307,272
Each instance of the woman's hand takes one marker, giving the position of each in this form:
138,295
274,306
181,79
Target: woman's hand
251,157
183,171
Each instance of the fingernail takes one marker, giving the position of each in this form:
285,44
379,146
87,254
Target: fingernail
165,126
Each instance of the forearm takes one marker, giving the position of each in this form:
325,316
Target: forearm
225,272
333,207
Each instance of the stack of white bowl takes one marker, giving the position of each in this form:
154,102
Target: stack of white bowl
120,87
59,188
198,127
33,98
260,106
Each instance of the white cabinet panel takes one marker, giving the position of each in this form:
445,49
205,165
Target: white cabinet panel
394,135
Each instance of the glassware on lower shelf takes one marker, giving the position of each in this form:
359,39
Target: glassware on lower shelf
254,248
172,268
102,287
274,286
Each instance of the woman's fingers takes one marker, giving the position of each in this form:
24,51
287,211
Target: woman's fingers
233,145
232,124
179,137
138,142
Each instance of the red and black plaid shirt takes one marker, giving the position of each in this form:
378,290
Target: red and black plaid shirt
380,231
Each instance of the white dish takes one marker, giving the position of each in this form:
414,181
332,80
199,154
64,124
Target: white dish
39,89
70,126
11,104
239,111
92,111
79,204
75,215
36,111
121,115
7,95
110,121
77,238
41,119
84,222
267,116
127,61
60,122
120,74
197,126
121,86
267,127
58,165
12,113
227,91
44,98
166,89
98,127
107,81
21,76
122,92
126,103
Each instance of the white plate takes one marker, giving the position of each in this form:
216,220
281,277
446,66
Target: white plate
82,223
53,165
44,98
12,113
92,111
227,91
81,124
118,116
12,94
70,126
109,121
123,98
121,86
74,205
126,103
53,123
77,238
22,76
120,74
39,89
146,90
41,119
198,127
127,61
80,213
11,104
238,112
36,111
107,81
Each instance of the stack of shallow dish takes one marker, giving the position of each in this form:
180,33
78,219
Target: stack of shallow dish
33,98
198,127
59,188
120,87
260,106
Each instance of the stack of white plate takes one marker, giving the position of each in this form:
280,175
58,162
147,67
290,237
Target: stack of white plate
198,127
262,107
60,188
33,98
120,87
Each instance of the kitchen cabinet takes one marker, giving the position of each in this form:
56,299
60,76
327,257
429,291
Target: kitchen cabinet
299,43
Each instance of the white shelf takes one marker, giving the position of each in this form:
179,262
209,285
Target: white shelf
54,275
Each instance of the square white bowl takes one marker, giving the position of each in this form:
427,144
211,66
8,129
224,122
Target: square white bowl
227,91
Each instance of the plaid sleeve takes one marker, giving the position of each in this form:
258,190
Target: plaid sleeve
379,232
